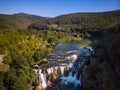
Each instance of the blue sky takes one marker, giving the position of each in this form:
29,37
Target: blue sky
53,8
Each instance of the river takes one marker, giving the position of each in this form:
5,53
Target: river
69,57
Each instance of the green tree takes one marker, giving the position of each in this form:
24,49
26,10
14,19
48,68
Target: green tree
37,56
2,87
7,59
59,71
10,78
20,83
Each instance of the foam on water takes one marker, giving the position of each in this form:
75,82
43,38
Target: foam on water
70,79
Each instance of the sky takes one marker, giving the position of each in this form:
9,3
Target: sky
52,8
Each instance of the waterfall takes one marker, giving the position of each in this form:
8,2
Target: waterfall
62,69
68,68
42,78
68,79
52,69
49,70
70,65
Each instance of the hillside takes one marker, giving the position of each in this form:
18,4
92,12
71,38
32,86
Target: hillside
81,21
105,73
20,20
27,40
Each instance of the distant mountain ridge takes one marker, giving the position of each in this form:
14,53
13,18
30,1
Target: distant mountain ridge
73,21
20,20
81,21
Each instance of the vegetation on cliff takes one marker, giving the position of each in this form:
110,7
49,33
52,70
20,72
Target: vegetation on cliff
105,72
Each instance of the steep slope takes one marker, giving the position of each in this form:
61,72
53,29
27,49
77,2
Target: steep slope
20,20
112,45
104,74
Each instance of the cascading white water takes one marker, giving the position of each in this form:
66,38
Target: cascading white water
62,69
70,79
70,64
49,70
42,78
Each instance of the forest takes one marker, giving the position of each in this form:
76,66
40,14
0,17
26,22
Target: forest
27,39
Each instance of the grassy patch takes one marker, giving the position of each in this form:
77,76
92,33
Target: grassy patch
82,41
